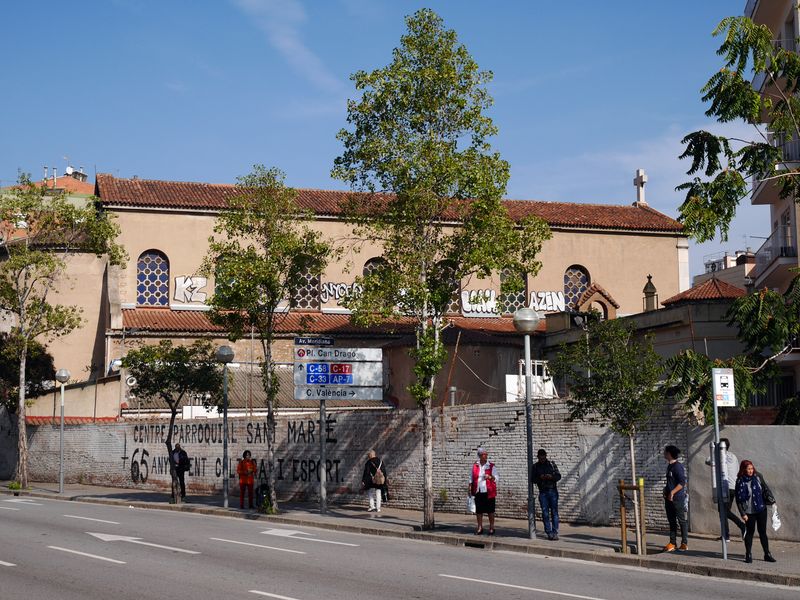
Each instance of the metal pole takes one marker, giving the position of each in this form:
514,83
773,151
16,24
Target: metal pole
642,513
623,517
323,460
225,435
718,471
61,447
453,390
529,439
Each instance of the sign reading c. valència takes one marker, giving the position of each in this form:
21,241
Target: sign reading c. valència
484,303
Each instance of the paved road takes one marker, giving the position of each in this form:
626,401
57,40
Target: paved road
47,552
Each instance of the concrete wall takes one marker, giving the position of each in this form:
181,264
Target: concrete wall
774,450
591,459
86,399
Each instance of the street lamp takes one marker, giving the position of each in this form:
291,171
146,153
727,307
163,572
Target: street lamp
526,320
224,355
62,376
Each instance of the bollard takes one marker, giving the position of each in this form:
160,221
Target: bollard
642,513
623,524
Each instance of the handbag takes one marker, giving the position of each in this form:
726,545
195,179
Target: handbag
471,505
776,520
379,478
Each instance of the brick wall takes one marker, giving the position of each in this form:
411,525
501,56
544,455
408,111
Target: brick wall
591,459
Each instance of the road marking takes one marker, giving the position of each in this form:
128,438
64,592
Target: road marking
5,564
105,558
258,546
268,595
8,508
23,501
106,537
521,587
292,534
91,519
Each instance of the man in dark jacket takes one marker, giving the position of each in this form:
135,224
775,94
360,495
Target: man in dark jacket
182,464
546,476
675,500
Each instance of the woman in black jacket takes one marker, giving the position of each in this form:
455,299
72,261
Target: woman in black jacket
752,498
374,481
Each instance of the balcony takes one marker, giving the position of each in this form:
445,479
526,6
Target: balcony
765,192
774,259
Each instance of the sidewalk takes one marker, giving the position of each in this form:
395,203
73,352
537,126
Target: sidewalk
583,542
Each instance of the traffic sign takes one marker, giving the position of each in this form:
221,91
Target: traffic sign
313,341
723,389
311,354
352,374
313,392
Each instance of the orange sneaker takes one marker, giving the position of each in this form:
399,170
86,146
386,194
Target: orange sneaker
669,548
683,548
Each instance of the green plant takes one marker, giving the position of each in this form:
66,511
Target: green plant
266,507
789,412
15,485
443,495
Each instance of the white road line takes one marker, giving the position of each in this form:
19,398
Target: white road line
91,519
8,508
257,546
5,564
297,535
111,560
268,595
520,587
24,501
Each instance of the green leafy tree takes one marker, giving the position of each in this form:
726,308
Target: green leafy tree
721,165
39,231
174,374
417,149
768,323
260,255
39,368
613,379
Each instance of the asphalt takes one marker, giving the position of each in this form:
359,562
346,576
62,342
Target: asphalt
596,548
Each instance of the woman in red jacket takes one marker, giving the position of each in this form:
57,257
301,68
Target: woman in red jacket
246,469
483,485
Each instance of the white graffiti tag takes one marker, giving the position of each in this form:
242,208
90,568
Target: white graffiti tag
187,289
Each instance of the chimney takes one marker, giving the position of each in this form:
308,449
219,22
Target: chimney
650,300
55,177
638,182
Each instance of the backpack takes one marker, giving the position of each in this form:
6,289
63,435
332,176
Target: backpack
379,478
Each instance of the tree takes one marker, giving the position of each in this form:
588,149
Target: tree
260,255
768,324
172,374
431,191
749,54
40,230
613,380
39,371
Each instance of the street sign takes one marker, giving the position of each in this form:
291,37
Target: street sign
313,392
303,354
340,374
313,341
723,388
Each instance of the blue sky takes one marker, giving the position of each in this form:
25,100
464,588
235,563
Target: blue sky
585,92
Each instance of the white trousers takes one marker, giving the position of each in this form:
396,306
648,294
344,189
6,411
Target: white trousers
375,498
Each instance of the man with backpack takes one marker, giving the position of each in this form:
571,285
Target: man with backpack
374,480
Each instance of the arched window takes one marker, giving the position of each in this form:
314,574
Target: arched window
576,282
152,279
515,301
445,272
307,296
372,264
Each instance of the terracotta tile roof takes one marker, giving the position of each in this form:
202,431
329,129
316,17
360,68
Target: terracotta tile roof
593,289
712,289
68,420
164,320
206,196
70,184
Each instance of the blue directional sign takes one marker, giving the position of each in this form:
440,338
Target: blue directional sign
317,368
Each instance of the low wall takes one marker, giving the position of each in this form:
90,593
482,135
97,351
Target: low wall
774,450
591,459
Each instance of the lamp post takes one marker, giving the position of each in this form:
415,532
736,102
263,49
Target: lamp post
526,320
62,376
224,355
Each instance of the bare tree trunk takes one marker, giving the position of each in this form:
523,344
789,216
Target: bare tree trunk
173,467
22,439
428,521
639,518
268,375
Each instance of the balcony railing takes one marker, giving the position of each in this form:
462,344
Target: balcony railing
780,244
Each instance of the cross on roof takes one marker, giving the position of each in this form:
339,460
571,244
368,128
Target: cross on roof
639,181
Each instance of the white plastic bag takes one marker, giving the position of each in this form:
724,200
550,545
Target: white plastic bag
776,520
471,504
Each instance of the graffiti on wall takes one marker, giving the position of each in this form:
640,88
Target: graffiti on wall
337,291
188,289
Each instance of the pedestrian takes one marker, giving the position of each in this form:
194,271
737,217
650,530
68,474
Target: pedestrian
730,469
752,498
676,500
181,461
546,476
246,469
483,486
374,481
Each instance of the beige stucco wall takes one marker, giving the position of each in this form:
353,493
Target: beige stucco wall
80,400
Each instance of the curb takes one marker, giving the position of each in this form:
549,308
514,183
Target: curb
606,556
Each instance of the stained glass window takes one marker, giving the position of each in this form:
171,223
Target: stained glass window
513,302
152,279
372,264
576,282
307,296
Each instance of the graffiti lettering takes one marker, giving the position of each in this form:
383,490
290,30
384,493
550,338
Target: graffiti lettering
338,291
187,289
548,301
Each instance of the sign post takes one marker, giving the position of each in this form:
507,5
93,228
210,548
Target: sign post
724,392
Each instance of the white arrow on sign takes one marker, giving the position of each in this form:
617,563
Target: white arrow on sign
134,540
291,533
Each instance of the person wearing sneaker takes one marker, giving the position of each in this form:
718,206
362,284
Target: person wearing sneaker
675,500
374,480
546,476
752,498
